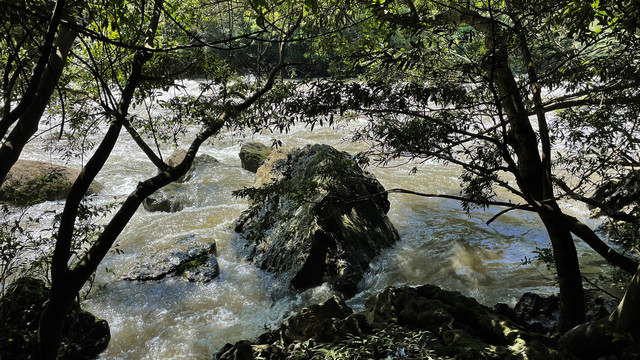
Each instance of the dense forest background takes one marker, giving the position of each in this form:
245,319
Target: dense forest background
537,98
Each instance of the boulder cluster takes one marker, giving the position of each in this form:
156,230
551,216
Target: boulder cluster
314,217
398,323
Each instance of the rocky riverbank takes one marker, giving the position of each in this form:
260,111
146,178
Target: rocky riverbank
422,322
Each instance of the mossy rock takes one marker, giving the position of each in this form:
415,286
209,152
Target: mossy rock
253,154
469,330
31,182
422,322
315,217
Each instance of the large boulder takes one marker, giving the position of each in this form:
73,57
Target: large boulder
168,199
196,263
253,154
316,217
30,182
83,335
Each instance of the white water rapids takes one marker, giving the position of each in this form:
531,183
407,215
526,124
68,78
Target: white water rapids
175,319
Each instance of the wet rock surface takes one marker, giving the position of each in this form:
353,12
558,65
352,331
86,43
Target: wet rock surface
399,322
316,217
541,313
30,182
253,154
168,199
200,161
197,263
83,337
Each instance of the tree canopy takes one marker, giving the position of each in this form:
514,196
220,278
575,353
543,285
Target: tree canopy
539,99
80,67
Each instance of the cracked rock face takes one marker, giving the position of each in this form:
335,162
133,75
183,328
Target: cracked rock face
197,263
316,217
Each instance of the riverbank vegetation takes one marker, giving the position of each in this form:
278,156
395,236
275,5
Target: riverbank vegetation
538,100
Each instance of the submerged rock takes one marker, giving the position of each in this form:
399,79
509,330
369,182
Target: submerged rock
198,263
167,199
30,182
253,154
316,217
83,336
406,323
175,196
200,161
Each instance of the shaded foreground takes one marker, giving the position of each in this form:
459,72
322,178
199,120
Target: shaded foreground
83,335
424,322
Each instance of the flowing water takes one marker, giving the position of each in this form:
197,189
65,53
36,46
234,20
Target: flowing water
175,319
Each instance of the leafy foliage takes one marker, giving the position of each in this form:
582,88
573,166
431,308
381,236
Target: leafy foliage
392,342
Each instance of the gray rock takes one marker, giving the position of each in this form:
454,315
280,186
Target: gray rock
166,199
316,217
30,182
202,160
197,263
253,154
178,195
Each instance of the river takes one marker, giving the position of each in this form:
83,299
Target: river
174,319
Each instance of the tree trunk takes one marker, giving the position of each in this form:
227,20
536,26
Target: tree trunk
28,123
565,257
609,335
66,283
532,179
51,320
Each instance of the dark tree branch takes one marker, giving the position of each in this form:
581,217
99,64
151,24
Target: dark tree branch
613,214
151,155
585,233
462,198
34,84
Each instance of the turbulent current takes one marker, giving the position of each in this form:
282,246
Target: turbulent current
174,319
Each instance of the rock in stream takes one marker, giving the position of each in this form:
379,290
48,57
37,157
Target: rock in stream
197,263
316,217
